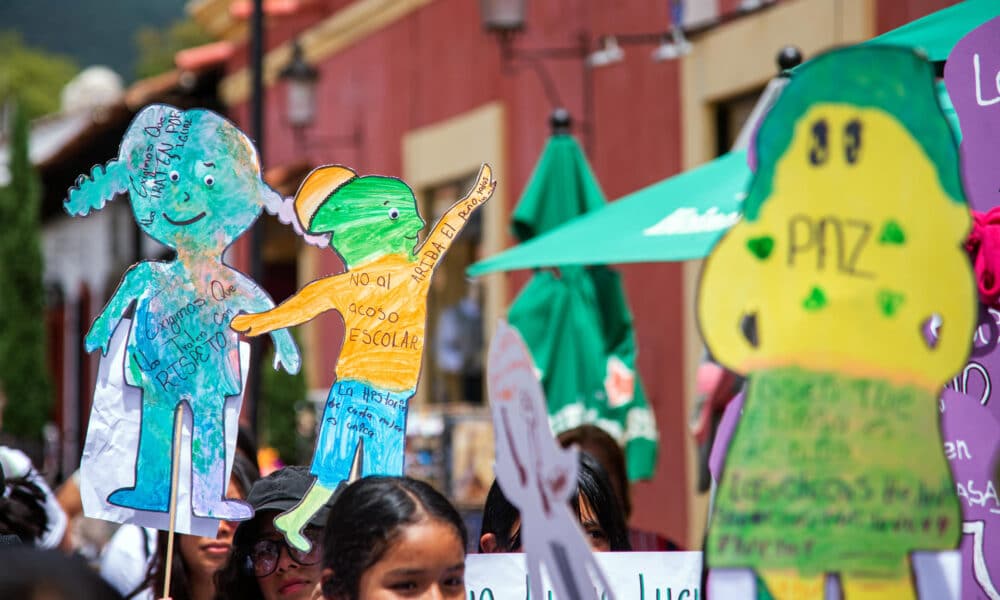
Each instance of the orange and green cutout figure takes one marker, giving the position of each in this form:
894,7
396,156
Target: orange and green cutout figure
851,242
382,297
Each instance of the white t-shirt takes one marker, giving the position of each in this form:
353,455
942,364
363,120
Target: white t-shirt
126,557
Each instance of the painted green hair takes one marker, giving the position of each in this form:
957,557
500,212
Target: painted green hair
896,80
90,193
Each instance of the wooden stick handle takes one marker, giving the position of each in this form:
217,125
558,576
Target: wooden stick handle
175,467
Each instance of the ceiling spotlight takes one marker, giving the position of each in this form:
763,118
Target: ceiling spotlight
609,53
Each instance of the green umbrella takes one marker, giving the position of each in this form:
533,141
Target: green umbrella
577,322
937,33
679,218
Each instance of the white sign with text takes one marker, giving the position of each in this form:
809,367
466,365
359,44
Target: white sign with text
632,576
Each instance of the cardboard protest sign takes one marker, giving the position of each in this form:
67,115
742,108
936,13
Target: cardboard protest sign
971,431
851,243
631,575
382,298
108,460
537,475
194,183
970,416
972,76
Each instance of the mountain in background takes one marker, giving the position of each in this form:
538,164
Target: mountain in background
92,32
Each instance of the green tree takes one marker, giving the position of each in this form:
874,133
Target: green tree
23,371
34,77
282,396
156,47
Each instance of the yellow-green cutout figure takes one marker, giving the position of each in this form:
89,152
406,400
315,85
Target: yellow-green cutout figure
851,242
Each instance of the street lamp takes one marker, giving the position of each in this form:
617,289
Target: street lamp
503,17
301,78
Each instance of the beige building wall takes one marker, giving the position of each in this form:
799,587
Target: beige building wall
725,62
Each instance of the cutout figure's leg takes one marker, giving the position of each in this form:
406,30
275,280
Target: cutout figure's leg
292,522
152,464
789,585
878,589
208,465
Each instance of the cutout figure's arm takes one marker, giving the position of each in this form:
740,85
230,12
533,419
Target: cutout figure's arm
451,222
312,300
286,353
134,282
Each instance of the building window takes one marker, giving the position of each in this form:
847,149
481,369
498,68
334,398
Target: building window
455,337
730,116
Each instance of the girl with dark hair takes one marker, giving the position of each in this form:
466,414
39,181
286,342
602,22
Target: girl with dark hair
390,537
196,559
595,504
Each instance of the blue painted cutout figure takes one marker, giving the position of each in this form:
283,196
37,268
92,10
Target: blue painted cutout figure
195,185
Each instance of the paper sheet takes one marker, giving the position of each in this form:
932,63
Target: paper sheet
108,461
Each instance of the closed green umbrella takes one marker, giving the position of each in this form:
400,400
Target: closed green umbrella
577,322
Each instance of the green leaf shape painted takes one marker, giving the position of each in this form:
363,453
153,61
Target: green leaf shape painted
815,300
890,301
892,233
761,247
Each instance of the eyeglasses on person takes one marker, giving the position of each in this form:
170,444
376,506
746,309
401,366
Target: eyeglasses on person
263,556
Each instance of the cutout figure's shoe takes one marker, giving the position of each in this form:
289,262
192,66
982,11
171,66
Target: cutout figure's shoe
225,510
146,499
287,523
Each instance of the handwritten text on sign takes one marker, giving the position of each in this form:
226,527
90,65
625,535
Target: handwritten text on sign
632,575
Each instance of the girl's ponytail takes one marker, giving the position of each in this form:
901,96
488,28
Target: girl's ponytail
90,193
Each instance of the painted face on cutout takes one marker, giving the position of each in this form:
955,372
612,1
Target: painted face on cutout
850,253
194,178
370,216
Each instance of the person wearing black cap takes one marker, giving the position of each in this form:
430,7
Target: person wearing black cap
263,566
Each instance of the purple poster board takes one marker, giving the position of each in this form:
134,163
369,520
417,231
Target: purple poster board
972,76
970,423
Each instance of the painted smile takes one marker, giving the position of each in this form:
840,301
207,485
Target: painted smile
185,222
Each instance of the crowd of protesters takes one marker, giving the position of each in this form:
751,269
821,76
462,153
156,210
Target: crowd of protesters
380,537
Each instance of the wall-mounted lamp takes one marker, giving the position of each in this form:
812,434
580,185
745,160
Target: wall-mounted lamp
609,53
673,46
301,78
502,17
300,109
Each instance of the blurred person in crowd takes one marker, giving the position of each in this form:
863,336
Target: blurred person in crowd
35,574
22,512
135,560
263,566
601,446
595,504
393,537
47,520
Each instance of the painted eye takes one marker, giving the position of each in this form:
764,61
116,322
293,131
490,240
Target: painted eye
175,176
209,180
852,141
818,149
393,213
